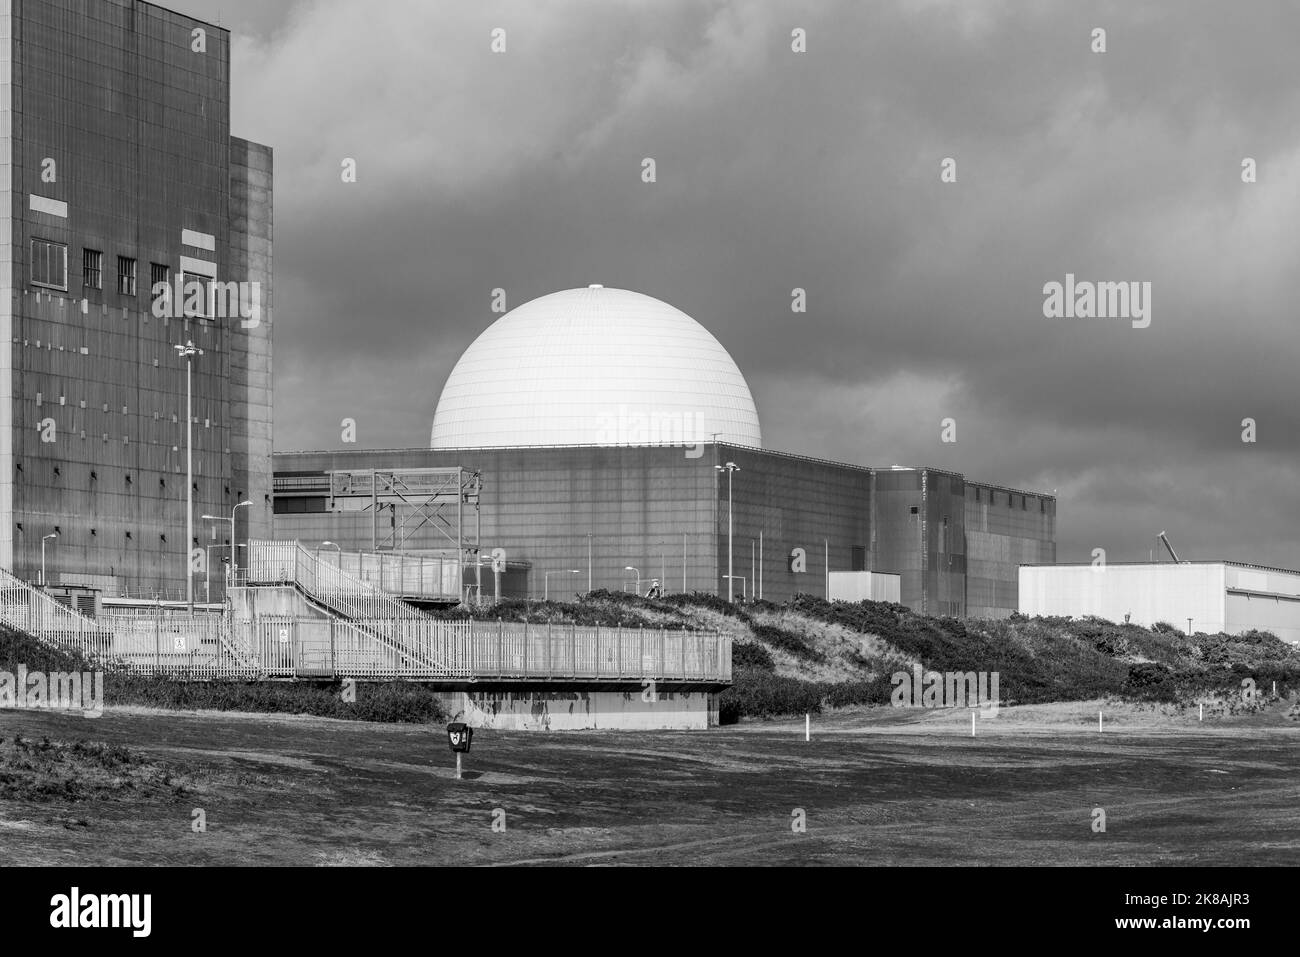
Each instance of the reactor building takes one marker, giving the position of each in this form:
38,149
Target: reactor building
136,240
600,438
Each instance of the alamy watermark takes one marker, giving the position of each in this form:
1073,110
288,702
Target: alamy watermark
79,691
630,425
1098,300
938,689
205,298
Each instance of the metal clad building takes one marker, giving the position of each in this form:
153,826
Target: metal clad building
1230,597
663,511
117,170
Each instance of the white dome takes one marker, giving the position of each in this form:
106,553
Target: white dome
594,366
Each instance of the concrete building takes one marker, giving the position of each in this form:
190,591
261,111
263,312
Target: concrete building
118,173
605,421
1229,597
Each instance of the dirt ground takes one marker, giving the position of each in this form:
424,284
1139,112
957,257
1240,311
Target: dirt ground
880,787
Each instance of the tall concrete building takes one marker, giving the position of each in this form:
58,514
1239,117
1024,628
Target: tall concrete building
119,176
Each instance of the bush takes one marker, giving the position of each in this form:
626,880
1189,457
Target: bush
843,694
762,694
1151,681
746,654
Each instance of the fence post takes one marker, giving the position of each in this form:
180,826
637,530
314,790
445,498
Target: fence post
618,650
640,666
550,657
525,643
573,649
334,668
501,647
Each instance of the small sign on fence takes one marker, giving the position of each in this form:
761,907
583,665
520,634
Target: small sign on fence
284,636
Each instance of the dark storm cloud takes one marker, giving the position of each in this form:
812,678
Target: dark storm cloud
820,170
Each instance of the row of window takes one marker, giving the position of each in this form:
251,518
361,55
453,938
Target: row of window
1011,500
50,269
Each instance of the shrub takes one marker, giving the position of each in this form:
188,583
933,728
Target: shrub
748,654
1151,681
842,694
762,694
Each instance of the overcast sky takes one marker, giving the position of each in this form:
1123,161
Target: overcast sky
819,170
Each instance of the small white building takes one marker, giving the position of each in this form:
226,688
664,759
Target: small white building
865,586
1229,597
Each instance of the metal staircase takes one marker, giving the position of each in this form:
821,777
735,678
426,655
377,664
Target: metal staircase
338,594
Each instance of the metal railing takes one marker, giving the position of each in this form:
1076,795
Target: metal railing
288,563
207,647
413,576
378,614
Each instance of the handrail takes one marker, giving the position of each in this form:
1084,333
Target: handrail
420,647
291,563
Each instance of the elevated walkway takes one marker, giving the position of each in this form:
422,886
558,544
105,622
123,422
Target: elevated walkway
299,617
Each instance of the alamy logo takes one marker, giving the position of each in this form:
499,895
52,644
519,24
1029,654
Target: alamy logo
74,910
952,689
206,298
1098,300
25,690
633,426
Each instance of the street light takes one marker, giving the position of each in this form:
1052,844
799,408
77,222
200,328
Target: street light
327,544
188,352
234,556
730,468
43,541
630,568
546,581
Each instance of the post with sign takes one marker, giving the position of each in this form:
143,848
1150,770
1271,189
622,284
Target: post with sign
459,736
498,569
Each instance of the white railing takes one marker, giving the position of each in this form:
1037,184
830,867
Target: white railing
276,563
413,576
205,647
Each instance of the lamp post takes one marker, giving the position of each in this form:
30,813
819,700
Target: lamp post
188,352
234,556
546,581
328,544
631,568
730,468
43,541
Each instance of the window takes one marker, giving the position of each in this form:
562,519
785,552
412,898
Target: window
158,275
49,264
92,274
190,281
125,276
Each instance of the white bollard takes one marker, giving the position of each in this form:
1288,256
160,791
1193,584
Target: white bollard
1202,717
807,727
1099,721
972,724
